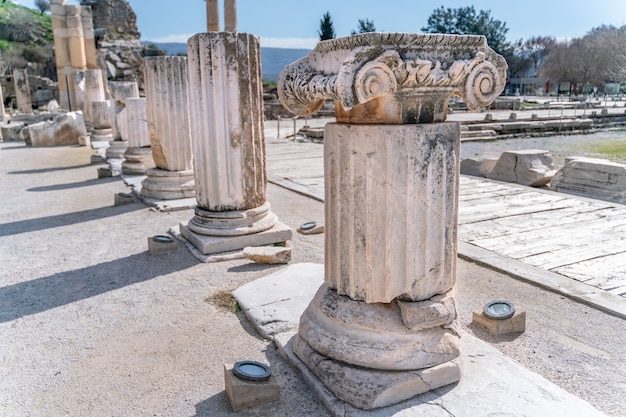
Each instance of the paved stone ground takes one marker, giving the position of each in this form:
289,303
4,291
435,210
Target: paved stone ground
92,325
578,238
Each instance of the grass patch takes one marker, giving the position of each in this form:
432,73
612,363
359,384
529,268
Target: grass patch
610,148
224,300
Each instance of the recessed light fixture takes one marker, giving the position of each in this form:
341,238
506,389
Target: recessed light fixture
499,309
308,225
162,239
252,371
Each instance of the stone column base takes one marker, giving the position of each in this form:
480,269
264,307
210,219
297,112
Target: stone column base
116,149
368,389
215,232
137,161
161,184
375,354
101,135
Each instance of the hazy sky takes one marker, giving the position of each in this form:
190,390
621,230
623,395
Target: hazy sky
294,23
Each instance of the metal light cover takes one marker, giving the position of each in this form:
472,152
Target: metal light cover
252,371
499,309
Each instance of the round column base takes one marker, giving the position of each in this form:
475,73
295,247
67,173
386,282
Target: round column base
137,161
161,184
234,222
383,336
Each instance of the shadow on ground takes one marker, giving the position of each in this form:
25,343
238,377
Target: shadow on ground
43,223
45,170
86,183
42,294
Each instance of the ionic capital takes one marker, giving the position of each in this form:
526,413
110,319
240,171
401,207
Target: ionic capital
394,77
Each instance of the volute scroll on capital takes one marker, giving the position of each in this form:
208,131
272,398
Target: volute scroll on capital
394,77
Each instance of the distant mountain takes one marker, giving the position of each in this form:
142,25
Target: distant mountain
273,60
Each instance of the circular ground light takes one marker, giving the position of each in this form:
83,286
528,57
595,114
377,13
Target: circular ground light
252,371
162,239
499,310
308,225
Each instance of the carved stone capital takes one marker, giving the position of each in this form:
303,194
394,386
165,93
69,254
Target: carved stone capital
395,78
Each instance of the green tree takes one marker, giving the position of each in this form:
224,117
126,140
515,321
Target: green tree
327,31
365,26
466,21
42,5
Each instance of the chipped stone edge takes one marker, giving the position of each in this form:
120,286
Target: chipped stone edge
569,287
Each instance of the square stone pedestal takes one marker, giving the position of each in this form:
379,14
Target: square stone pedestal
208,245
156,248
244,394
515,324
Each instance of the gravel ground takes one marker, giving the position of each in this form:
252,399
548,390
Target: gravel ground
92,325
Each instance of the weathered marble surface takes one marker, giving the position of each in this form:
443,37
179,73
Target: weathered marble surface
533,167
22,91
373,335
393,77
391,210
225,95
167,106
64,129
592,177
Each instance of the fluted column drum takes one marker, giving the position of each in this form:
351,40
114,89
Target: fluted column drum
391,210
168,112
136,123
226,102
94,91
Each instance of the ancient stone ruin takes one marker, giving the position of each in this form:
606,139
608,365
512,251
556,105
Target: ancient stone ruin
382,327
226,120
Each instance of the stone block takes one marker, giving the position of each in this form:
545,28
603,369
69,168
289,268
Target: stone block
438,311
11,132
515,324
161,244
64,129
245,394
268,254
591,177
531,167
369,389
478,167
108,172
208,245
122,199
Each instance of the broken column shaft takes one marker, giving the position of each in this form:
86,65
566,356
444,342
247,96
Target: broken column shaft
226,115
168,124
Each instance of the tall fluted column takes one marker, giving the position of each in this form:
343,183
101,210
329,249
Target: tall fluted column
168,125
89,37
230,15
65,70
382,327
76,38
226,115
213,16
22,92
94,91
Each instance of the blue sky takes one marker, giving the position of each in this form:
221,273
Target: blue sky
294,23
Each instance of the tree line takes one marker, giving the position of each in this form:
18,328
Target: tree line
594,60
